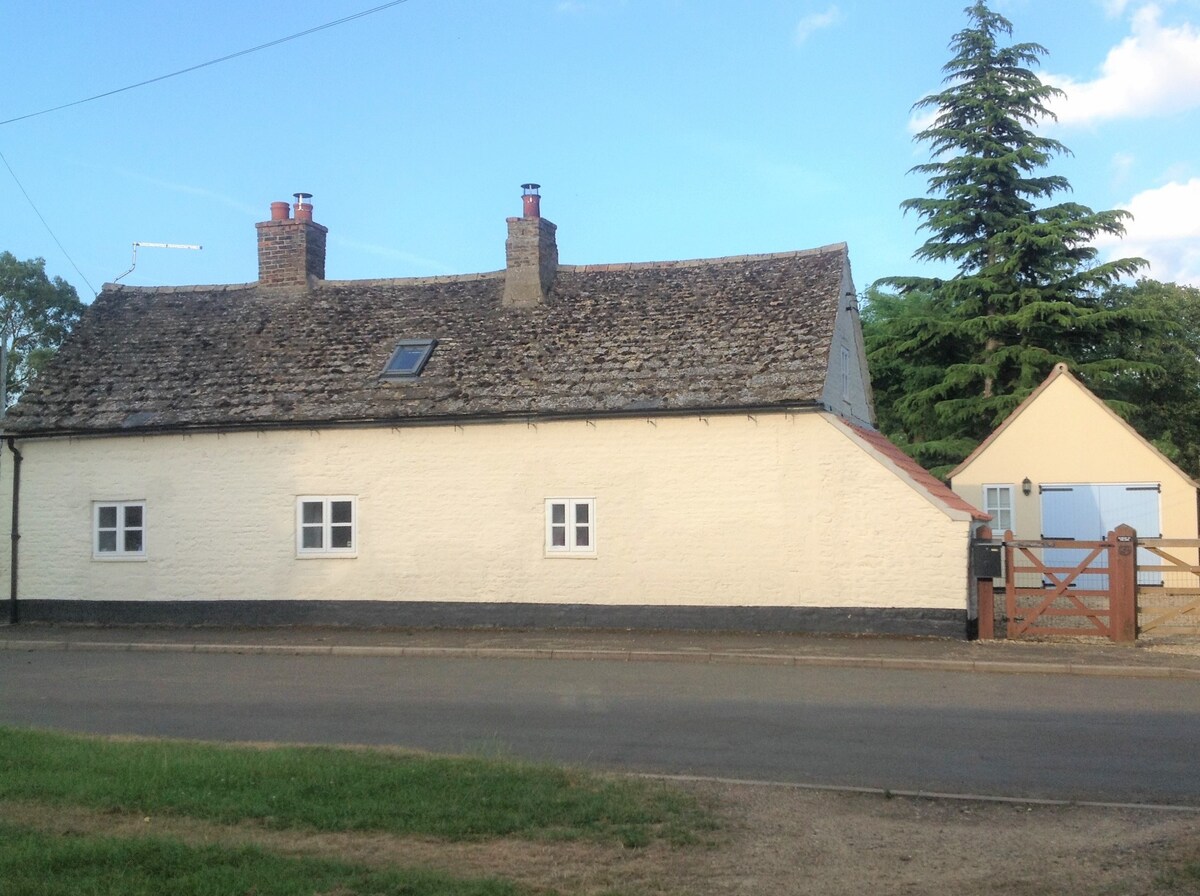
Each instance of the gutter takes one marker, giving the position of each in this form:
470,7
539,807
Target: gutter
527,417
13,615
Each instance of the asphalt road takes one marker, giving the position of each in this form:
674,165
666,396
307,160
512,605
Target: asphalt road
1048,736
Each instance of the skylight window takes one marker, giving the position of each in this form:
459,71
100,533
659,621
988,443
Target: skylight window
408,358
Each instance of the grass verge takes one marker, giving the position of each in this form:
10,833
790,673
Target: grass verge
337,789
38,864
1183,879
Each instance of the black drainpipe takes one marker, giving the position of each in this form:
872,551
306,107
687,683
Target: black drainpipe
16,534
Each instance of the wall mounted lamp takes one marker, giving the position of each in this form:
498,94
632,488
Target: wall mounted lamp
1026,487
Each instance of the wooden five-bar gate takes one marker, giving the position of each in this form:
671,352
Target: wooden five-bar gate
1120,587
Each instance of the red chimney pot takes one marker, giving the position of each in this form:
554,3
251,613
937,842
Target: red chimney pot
304,209
280,211
531,199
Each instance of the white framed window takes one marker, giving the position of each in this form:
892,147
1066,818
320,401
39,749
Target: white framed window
118,530
326,526
998,501
570,527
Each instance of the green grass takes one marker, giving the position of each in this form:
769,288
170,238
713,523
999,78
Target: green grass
330,789
38,864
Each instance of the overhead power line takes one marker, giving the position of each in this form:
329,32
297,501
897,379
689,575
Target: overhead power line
184,71
21,187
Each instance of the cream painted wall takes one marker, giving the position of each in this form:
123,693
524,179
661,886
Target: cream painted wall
771,509
1065,436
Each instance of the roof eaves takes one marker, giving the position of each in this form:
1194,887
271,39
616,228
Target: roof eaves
1121,421
1059,370
922,481
795,407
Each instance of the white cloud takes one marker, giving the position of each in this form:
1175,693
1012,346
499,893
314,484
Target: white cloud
1154,71
1164,230
815,21
922,119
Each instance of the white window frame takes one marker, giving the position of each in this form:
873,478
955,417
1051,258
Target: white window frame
991,507
120,530
571,528
326,527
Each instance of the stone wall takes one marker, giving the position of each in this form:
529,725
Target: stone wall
532,261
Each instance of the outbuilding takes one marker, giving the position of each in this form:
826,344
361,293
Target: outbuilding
1064,465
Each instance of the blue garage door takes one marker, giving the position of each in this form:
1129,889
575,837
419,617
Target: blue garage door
1088,512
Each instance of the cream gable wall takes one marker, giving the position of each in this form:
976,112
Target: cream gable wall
775,509
1065,435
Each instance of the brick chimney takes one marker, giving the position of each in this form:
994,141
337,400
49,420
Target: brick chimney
532,254
291,251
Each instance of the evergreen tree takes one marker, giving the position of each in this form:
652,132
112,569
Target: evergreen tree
1027,291
910,345
1161,399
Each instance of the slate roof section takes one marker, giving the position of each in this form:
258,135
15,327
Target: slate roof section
743,332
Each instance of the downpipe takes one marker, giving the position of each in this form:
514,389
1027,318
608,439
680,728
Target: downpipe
13,614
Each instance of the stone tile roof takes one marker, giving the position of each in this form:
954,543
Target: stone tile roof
750,331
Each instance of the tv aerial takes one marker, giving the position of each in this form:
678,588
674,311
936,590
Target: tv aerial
136,246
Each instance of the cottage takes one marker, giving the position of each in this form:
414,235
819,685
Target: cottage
682,444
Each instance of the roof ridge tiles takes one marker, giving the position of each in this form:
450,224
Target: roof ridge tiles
832,248
417,281
155,290
490,275
230,287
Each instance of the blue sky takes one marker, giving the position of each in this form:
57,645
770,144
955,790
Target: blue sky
659,129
